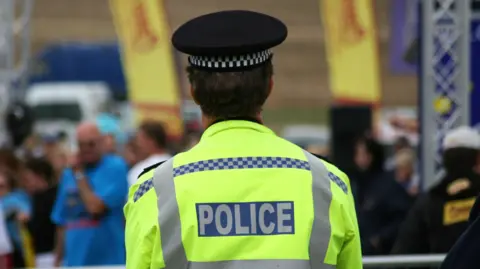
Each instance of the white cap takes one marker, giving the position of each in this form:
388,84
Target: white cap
462,137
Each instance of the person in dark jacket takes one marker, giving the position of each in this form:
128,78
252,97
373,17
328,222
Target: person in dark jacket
440,216
464,254
40,182
381,202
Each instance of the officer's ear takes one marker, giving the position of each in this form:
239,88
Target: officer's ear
192,90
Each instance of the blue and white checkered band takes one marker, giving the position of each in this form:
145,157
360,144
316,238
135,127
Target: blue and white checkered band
230,62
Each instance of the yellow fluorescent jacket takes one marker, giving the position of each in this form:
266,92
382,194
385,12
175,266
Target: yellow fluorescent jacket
242,198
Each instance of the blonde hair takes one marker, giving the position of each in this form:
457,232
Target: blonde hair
405,157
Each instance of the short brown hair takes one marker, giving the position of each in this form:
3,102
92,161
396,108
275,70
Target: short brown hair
42,168
155,131
231,94
9,161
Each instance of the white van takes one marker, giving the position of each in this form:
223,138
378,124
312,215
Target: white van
61,106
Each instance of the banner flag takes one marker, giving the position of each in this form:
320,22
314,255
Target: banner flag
148,61
404,37
352,50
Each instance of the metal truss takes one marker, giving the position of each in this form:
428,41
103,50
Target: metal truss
15,18
445,78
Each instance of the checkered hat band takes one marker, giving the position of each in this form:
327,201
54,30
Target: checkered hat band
230,62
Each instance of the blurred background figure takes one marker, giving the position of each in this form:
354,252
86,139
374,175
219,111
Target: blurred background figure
404,171
112,134
41,184
130,152
381,202
49,143
399,144
57,157
88,209
151,148
191,140
31,147
5,244
19,122
440,216
9,162
17,211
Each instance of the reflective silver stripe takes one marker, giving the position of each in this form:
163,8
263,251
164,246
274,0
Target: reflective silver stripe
257,264
169,217
322,197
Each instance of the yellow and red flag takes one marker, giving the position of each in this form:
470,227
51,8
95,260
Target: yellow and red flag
352,51
148,61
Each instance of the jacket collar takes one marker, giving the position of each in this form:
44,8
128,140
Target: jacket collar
240,123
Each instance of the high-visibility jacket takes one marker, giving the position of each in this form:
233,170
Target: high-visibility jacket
242,198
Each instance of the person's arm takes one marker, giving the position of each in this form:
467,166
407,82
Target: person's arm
59,246
58,217
24,209
142,234
93,203
412,237
108,192
350,256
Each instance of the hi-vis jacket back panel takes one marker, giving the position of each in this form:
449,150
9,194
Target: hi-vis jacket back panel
242,198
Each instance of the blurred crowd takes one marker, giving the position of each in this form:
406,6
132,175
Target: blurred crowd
64,207
395,216
48,217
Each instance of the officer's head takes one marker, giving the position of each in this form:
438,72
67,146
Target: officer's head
230,62
461,148
231,94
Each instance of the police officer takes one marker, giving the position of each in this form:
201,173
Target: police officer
242,197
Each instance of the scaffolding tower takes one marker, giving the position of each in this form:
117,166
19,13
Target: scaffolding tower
445,79
15,16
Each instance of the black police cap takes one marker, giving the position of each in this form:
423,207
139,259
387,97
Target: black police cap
229,40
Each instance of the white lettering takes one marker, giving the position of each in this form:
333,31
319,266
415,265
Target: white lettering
223,230
281,217
206,217
239,229
253,218
261,218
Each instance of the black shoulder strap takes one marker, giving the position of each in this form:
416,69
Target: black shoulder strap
320,157
151,167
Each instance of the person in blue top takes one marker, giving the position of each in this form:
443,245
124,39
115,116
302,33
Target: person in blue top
88,210
16,208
